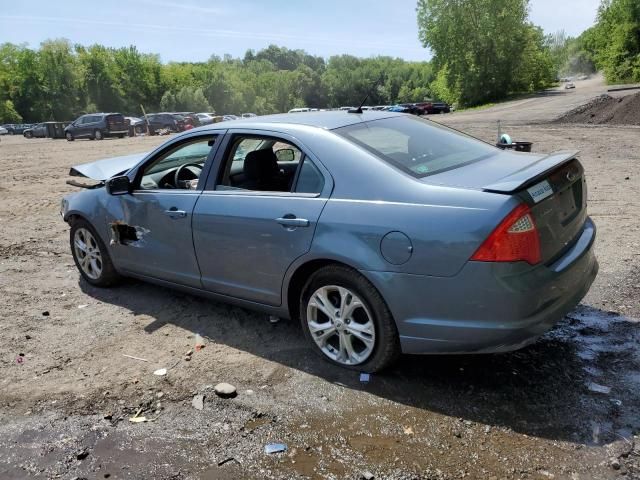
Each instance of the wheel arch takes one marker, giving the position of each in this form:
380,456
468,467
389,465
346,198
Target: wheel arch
298,278
74,215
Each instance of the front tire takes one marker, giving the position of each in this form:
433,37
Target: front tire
347,321
69,137
98,135
91,255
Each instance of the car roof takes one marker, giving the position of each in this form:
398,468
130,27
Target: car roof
325,120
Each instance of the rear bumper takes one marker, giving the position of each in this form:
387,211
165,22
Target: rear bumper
488,307
111,133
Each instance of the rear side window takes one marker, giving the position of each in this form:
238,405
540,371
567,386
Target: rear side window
310,180
416,146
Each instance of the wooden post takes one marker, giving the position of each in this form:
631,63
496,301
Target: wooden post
146,122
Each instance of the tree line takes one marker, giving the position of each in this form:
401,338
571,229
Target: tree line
60,81
483,51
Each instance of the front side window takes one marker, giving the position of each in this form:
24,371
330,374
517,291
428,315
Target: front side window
179,167
416,146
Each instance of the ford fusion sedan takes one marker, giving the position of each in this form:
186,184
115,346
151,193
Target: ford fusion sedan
382,233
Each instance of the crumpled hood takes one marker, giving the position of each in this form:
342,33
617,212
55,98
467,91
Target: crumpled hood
108,167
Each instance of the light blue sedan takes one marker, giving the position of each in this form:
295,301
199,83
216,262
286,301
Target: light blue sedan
382,232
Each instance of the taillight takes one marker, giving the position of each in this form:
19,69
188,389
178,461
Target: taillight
515,239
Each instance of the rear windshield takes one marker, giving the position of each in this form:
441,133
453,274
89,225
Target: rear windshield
416,146
116,117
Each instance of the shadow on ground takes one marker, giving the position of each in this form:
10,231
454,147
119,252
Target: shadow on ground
539,391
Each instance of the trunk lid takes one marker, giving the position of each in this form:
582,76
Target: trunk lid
559,212
552,185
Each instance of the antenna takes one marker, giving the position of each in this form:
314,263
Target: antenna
359,109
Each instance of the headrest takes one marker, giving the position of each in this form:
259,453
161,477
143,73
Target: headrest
260,164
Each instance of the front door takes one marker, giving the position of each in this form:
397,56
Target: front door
81,127
154,237
258,216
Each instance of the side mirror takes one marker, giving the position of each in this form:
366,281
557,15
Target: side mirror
285,155
118,185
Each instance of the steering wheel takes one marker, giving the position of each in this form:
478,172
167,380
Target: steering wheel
182,168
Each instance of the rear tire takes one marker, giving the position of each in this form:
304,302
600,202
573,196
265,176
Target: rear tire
360,333
91,255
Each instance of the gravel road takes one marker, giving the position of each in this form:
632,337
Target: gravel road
566,407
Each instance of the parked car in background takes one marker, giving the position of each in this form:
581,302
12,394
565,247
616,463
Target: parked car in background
405,108
249,115
191,120
17,128
135,125
3,130
569,86
433,107
229,117
299,110
38,130
172,122
384,233
206,118
133,121
96,126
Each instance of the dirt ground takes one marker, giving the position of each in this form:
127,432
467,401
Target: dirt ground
67,390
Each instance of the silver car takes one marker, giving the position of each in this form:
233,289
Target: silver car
382,233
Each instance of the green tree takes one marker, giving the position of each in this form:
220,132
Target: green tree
8,113
483,43
615,40
168,102
60,80
191,99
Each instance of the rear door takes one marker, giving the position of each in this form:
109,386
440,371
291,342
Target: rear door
247,239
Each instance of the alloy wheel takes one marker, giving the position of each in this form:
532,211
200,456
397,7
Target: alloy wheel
341,325
87,253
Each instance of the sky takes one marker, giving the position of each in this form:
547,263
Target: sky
193,30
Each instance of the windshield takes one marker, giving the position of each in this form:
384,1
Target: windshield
416,146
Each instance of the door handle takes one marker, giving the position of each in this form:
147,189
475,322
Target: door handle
175,213
292,221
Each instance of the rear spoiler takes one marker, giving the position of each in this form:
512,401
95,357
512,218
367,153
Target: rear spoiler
531,173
